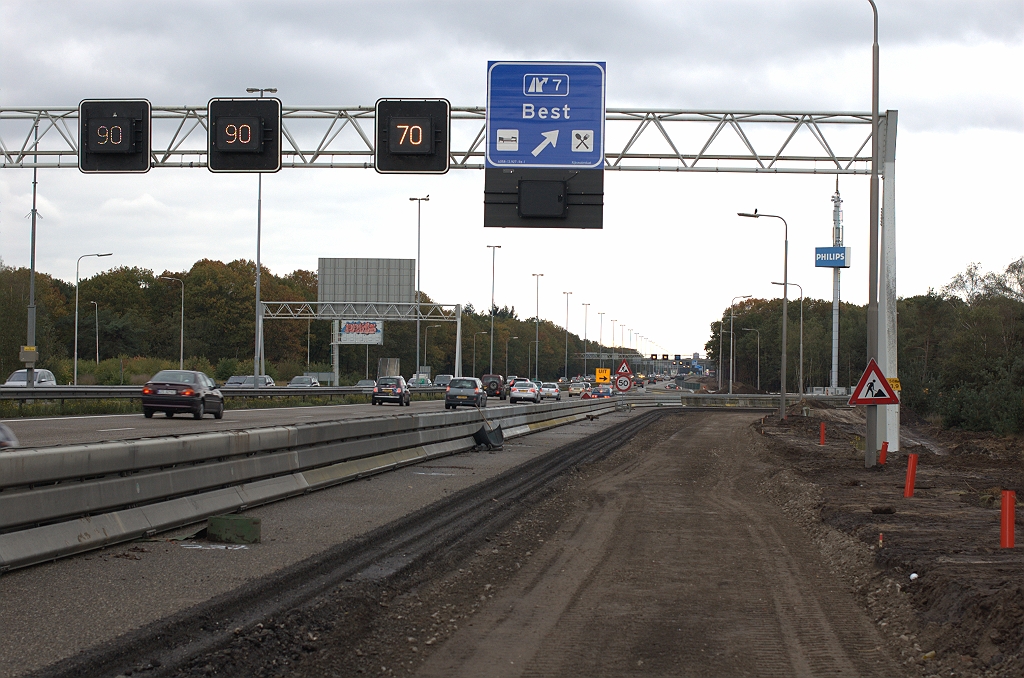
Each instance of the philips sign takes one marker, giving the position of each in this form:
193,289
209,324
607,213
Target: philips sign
832,257
361,332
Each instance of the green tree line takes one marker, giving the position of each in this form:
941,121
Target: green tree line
138,315
961,349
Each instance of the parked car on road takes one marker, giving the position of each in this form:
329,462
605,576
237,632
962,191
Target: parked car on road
41,378
303,382
173,391
391,390
524,389
465,391
549,389
495,385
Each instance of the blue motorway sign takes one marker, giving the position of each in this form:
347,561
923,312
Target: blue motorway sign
545,114
832,257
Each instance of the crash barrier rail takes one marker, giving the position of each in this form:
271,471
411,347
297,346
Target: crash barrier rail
758,400
135,392
64,500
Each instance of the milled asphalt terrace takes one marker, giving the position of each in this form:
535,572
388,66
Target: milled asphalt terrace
52,611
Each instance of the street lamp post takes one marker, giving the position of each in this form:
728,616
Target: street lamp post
600,337
30,371
506,354
871,442
425,331
566,373
747,329
77,266
801,334
536,361
732,338
257,363
419,205
96,321
494,249
721,330
613,342
474,351
586,310
785,303
181,340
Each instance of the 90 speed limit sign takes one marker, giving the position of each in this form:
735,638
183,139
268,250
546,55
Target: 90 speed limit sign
623,383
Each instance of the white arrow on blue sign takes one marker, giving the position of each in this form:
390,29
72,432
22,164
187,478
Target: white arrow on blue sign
545,114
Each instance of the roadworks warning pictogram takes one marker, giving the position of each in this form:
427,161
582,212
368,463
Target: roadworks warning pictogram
624,369
873,388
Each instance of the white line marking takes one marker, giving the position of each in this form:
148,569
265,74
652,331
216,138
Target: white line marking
105,430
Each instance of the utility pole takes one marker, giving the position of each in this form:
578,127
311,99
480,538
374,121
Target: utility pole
566,335
258,367
536,361
600,337
419,204
30,379
494,249
586,309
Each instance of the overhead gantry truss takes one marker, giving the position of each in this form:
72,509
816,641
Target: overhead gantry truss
321,310
661,140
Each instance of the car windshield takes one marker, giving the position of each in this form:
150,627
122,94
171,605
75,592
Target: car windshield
547,385
388,381
175,376
365,382
22,375
525,384
462,383
305,380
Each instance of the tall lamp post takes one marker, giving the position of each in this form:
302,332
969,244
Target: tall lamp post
506,354
425,334
30,379
419,205
586,309
566,373
536,361
96,321
600,337
474,350
77,266
494,249
181,340
871,442
748,329
785,303
801,334
257,363
732,337
613,342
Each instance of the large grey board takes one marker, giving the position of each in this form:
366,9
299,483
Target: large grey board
367,280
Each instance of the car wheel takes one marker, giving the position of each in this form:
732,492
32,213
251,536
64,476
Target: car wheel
147,413
199,411
168,414
219,414
483,403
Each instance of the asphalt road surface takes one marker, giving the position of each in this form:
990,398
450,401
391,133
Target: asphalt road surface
45,431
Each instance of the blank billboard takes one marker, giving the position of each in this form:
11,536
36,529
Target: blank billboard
367,281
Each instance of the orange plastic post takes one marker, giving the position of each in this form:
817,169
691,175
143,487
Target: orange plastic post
1008,519
908,488
884,453
822,441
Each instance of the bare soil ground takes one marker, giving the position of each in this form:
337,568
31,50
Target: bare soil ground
964,612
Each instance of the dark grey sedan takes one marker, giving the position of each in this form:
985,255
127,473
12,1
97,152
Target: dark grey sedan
185,391
465,391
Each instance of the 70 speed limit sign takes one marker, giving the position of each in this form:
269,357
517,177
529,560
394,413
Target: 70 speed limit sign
623,383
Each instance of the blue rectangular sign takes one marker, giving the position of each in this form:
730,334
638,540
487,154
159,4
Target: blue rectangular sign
545,114
832,257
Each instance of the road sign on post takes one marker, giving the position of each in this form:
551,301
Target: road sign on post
623,369
244,135
544,154
114,136
413,136
873,388
623,383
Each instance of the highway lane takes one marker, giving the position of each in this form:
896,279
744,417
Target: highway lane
46,431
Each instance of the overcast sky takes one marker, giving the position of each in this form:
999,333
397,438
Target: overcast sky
672,253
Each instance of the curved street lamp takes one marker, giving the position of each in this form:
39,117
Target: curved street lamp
77,265
181,337
506,354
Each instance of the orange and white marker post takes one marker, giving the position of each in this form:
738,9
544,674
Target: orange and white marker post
884,453
908,487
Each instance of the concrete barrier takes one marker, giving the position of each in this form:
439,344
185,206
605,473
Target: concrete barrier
60,501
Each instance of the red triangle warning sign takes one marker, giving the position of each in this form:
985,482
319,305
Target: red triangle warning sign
873,389
624,369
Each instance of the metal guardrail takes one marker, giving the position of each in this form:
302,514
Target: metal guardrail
64,500
135,392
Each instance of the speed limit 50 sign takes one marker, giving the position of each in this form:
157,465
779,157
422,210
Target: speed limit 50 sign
623,383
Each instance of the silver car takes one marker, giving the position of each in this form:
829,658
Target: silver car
42,378
549,389
465,391
524,390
